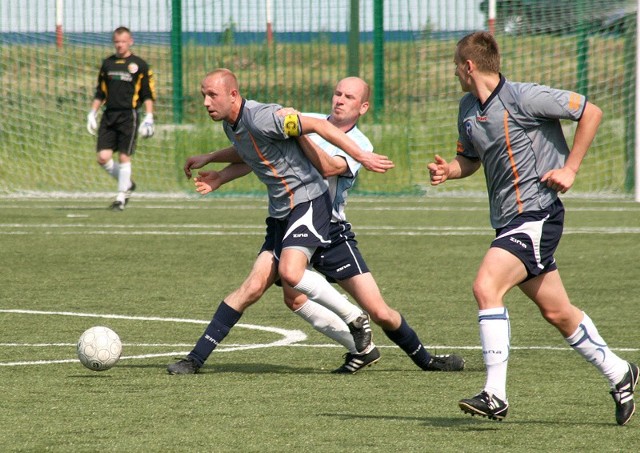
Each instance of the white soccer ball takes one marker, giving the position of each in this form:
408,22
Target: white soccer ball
99,348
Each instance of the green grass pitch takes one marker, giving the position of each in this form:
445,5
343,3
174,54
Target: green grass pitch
156,272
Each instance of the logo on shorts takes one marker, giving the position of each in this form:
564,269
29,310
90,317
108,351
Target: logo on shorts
300,235
519,242
340,269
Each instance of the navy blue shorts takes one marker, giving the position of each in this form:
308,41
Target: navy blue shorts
306,226
342,259
533,237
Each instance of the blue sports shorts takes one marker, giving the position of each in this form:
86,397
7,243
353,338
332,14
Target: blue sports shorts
306,226
533,238
342,259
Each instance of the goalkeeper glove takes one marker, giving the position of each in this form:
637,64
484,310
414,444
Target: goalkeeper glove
92,122
146,128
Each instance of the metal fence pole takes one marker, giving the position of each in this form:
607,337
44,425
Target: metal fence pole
176,60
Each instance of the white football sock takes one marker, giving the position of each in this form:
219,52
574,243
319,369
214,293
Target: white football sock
318,289
328,323
112,168
124,177
587,342
495,336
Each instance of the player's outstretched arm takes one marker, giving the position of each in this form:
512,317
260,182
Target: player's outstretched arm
208,181
224,155
370,161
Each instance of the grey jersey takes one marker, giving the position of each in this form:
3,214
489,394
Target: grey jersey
339,185
263,141
518,137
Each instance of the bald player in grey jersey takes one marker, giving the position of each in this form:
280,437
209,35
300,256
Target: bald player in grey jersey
513,131
299,208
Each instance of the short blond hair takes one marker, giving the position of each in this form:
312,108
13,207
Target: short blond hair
481,48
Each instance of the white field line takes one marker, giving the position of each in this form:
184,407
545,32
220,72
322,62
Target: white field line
291,338
288,336
191,229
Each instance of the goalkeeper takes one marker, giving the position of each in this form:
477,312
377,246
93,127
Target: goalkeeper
125,83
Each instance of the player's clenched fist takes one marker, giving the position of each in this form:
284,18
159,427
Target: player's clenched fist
438,170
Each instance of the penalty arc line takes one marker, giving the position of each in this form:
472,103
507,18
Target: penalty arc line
289,336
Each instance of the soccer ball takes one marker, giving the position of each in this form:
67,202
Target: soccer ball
99,348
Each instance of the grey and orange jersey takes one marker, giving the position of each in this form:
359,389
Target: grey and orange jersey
264,141
339,185
518,137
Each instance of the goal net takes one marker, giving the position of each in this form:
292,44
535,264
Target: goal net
404,49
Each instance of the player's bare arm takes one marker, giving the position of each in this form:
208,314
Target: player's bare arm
229,155
370,161
327,165
440,170
208,181
562,179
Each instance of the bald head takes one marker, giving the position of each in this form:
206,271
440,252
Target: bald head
350,101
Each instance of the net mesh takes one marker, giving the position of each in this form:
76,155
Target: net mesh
46,90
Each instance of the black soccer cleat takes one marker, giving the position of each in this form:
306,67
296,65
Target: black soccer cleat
485,405
184,366
355,362
623,395
117,206
361,331
128,193
449,362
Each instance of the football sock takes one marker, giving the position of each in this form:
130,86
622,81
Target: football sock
223,320
328,323
318,289
405,337
495,333
587,342
124,180
112,168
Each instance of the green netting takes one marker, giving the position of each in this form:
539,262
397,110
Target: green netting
46,90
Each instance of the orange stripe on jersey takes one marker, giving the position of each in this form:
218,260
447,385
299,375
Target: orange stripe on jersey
459,147
273,170
514,169
574,101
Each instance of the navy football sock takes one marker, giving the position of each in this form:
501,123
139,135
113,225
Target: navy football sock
223,320
405,337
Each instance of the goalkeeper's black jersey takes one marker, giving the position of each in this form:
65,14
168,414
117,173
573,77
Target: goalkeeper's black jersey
125,83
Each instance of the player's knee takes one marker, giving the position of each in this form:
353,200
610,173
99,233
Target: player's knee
484,293
290,274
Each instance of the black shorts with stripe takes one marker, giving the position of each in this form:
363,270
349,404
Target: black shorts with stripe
306,226
342,259
118,131
533,238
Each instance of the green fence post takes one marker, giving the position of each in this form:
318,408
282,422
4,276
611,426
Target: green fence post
176,60
629,96
378,59
582,50
354,39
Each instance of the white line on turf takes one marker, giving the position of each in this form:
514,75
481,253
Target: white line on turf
292,338
289,336
252,230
